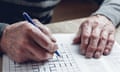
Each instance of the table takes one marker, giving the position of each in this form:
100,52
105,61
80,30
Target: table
70,26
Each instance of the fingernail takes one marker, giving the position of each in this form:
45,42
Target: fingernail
97,54
53,39
106,52
89,55
76,40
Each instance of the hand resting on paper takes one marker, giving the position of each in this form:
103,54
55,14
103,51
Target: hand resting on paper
96,35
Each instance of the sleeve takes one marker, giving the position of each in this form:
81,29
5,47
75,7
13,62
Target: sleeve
110,9
2,27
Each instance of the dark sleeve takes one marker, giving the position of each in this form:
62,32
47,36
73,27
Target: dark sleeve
99,2
110,9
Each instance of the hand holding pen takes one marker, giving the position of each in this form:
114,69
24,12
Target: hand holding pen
22,42
29,19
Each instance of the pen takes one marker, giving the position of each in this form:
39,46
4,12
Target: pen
29,19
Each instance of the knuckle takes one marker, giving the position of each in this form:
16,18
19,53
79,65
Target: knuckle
24,24
47,29
36,20
86,35
48,45
94,36
27,27
111,40
103,38
85,24
92,49
85,43
91,21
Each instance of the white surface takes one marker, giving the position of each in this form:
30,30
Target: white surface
71,60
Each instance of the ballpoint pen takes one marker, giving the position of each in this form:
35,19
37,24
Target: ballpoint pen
29,19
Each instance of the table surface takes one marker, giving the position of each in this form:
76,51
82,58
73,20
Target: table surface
70,26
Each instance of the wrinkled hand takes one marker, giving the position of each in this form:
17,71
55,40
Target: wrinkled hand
96,35
23,42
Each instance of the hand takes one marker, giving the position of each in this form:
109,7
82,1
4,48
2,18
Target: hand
23,42
96,35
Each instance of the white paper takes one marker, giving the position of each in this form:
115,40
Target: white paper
71,60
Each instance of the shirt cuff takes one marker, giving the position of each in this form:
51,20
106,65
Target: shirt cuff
2,27
107,12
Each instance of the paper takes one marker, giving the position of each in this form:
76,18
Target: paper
71,60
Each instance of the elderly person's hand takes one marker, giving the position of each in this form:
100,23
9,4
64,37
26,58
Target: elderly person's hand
23,42
96,35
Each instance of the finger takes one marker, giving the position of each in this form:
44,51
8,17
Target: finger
41,39
77,39
29,55
110,43
44,29
38,53
102,44
19,55
93,42
86,29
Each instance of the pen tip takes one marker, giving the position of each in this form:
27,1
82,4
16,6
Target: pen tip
57,53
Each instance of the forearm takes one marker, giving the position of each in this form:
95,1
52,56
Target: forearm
110,9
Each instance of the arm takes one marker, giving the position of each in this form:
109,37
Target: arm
97,33
110,9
